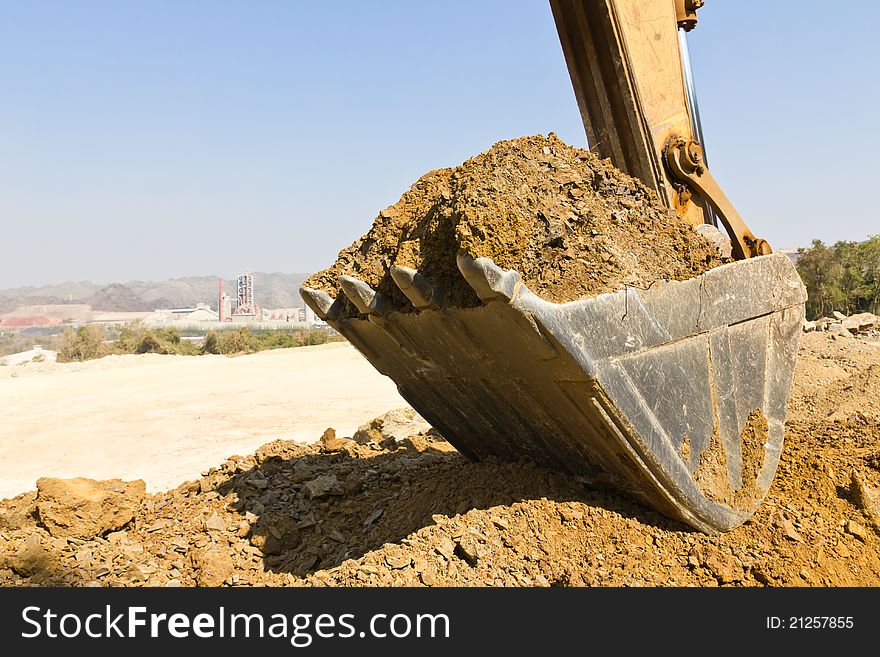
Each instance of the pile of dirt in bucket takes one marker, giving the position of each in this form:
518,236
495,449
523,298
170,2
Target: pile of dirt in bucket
571,224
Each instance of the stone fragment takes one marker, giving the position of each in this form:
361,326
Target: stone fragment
723,566
394,426
855,529
445,546
214,566
159,524
467,548
330,443
30,559
323,486
839,330
85,508
374,516
788,529
865,497
215,523
397,559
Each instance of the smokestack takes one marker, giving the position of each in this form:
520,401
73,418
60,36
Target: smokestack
220,305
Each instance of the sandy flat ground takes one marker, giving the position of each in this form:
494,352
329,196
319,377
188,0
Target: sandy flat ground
164,419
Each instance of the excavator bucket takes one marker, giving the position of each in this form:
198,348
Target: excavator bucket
676,394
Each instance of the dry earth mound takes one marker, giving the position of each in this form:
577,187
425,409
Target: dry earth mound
398,506
571,224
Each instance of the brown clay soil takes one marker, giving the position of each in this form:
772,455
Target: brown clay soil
414,512
571,224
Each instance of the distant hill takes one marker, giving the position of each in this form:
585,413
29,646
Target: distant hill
119,298
9,302
67,292
272,290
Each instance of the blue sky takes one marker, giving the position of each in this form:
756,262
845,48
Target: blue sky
145,140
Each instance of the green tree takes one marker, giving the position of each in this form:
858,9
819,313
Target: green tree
870,256
211,344
849,276
84,343
815,265
844,277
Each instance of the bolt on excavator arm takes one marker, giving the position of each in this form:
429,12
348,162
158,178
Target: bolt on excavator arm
625,62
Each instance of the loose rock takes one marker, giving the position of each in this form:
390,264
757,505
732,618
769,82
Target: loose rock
322,486
213,566
84,508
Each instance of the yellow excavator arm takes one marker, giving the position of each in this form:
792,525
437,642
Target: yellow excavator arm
675,393
625,59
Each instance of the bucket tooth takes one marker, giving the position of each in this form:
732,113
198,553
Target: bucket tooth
365,298
325,306
487,279
417,288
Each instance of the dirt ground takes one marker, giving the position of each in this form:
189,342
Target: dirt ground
165,419
381,510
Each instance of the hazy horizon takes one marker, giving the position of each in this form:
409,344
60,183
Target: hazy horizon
103,284
151,141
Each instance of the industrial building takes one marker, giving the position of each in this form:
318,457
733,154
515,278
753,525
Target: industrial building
243,308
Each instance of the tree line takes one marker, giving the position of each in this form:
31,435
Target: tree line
844,277
94,341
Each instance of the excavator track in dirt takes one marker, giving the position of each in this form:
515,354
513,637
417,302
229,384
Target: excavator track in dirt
676,393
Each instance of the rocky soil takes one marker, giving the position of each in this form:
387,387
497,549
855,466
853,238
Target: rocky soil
862,324
396,505
571,224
